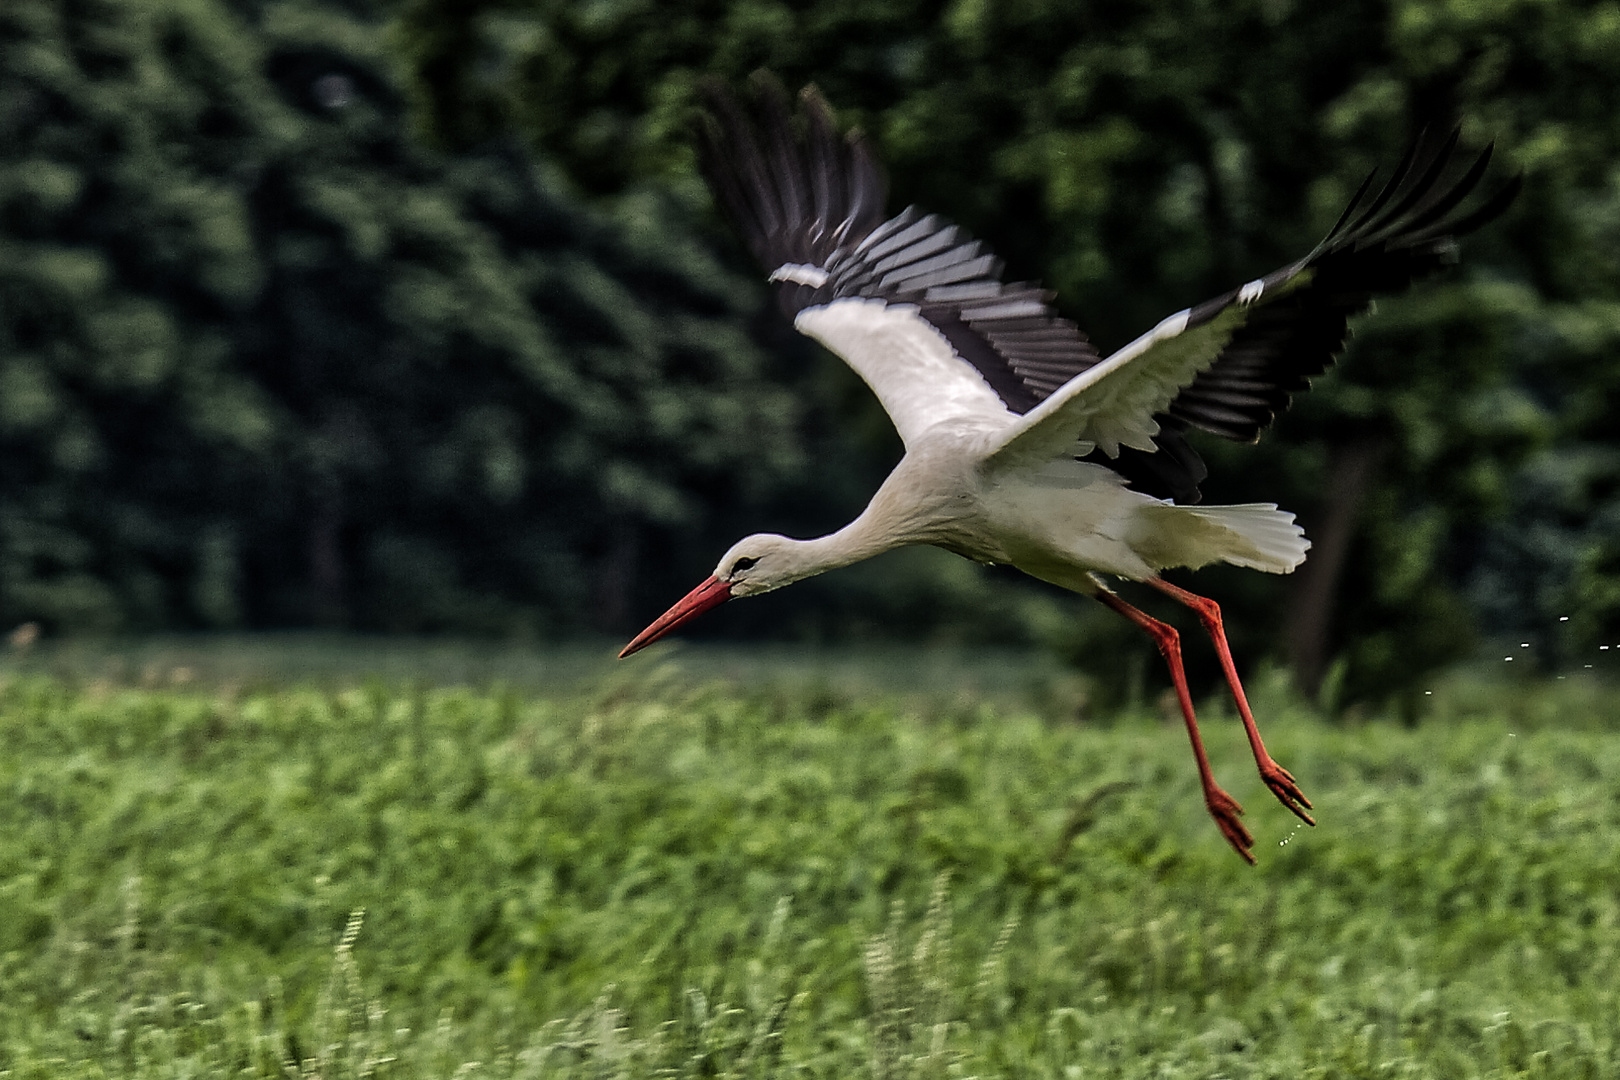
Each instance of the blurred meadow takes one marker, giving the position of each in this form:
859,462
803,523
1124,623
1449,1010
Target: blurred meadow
371,369
784,872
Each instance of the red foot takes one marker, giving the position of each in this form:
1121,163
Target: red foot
1281,782
1277,778
1227,814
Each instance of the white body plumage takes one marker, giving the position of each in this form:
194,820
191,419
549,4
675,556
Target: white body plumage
1024,446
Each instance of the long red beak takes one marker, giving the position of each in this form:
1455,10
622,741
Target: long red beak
712,593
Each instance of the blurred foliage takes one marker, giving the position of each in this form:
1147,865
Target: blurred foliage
266,361
1141,157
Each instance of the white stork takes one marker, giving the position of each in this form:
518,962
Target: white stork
1022,445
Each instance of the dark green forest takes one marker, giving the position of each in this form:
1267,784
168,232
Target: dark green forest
414,316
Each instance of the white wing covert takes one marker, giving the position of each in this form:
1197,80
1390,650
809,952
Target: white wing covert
1119,404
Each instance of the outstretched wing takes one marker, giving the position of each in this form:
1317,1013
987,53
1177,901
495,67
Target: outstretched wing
912,303
1229,365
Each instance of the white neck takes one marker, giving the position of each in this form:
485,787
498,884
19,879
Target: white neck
782,561
901,512
866,536
895,517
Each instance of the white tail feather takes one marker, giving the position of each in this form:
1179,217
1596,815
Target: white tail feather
1273,542
1254,535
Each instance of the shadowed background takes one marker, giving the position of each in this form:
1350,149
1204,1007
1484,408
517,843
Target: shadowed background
415,317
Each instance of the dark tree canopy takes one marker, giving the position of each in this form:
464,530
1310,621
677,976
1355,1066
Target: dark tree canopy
265,361
1139,157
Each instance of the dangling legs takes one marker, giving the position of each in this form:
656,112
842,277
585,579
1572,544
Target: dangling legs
1276,777
1222,807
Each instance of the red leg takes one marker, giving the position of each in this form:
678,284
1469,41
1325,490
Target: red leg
1222,807
1277,778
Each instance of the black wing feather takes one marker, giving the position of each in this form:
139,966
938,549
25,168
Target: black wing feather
803,197
795,191
1406,233
781,179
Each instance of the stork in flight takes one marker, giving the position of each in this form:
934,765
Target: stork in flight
1023,446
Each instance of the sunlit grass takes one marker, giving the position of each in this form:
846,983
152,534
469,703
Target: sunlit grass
655,873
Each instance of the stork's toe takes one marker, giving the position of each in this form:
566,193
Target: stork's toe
1228,816
1282,784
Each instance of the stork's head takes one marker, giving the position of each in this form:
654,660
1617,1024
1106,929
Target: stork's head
755,565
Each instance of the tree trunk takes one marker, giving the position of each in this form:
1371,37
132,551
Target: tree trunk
1316,586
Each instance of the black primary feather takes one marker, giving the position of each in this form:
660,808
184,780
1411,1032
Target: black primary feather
760,161
803,197
1405,235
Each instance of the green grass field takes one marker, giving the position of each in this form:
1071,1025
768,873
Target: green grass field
655,871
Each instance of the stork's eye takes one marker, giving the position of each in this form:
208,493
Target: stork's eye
744,563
